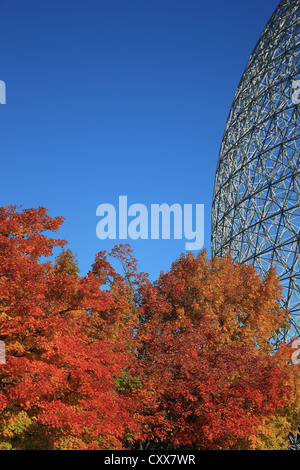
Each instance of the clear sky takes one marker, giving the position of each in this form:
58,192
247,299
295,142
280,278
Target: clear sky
119,97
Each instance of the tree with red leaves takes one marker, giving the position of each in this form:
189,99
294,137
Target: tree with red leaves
209,367
114,361
59,386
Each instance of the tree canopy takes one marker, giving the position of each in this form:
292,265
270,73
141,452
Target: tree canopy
111,360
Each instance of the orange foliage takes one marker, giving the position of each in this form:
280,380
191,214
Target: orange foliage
210,369
114,361
60,378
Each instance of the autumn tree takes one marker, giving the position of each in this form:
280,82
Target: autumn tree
59,386
111,360
273,432
211,374
67,262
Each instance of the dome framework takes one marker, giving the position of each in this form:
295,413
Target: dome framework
256,200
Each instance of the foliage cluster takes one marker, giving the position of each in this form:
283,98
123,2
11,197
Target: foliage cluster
115,361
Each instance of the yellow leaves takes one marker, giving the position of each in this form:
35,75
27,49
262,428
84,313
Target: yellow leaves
16,348
70,443
5,446
240,305
272,433
15,424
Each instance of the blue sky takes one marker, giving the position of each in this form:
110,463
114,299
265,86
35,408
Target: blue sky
119,97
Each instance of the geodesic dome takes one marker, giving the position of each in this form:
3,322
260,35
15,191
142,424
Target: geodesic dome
256,200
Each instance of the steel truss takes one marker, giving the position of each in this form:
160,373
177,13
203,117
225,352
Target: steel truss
256,200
